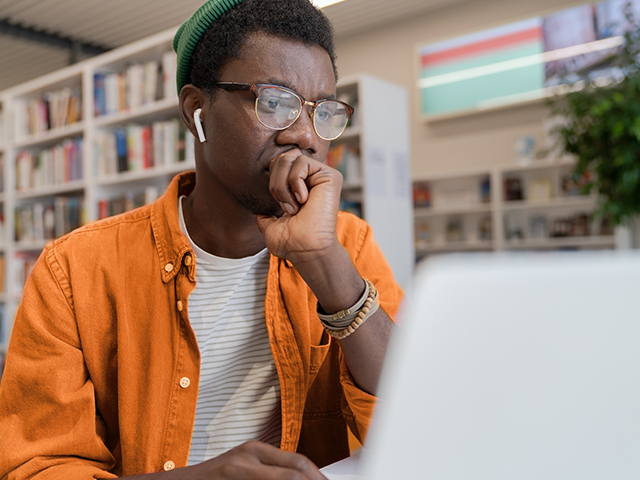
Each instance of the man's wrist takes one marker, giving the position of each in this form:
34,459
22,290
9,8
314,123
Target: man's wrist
332,277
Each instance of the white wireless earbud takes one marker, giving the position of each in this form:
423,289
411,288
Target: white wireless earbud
196,119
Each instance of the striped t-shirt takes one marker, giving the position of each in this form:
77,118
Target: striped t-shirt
239,395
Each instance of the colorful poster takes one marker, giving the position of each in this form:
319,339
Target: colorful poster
460,73
519,61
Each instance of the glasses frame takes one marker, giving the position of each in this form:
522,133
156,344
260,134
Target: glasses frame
257,88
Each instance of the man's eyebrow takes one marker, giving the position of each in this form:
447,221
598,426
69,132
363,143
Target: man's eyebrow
283,83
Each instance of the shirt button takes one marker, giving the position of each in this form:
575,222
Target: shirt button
169,466
179,305
185,382
187,260
168,267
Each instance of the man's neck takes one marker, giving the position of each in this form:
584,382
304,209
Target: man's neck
220,230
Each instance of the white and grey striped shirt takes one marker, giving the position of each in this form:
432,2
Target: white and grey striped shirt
239,395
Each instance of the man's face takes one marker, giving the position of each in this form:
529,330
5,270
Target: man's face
239,148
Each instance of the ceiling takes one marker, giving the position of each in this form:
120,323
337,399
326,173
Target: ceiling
105,24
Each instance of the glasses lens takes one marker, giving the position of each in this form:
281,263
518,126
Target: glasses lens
277,108
330,119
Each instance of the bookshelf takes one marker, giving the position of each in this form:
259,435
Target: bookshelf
508,207
56,135
98,178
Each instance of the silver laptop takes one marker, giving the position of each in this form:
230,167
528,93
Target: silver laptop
512,368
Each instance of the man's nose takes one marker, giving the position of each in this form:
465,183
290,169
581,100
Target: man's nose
301,133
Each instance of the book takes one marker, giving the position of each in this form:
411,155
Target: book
540,189
99,94
169,65
421,194
57,165
54,109
121,149
346,159
125,202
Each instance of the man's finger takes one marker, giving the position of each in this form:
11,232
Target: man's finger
269,455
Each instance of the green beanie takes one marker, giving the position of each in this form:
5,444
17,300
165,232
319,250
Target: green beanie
190,33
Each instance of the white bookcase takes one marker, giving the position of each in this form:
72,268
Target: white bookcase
476,211
49,188
379,133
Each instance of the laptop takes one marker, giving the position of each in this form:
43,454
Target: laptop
510,367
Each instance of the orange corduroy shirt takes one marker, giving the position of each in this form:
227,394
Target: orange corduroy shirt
101,376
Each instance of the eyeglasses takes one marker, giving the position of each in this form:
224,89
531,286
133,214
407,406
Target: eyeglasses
279,107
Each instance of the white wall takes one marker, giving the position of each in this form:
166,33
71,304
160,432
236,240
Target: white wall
477,141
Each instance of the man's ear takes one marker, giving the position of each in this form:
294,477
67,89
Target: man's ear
191,99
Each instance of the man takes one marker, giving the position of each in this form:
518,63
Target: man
127,359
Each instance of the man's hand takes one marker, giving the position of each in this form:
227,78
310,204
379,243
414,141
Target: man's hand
250,461
309,193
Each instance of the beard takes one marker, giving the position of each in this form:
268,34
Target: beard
259,206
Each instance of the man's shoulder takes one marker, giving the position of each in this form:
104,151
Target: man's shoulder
347,220
352,230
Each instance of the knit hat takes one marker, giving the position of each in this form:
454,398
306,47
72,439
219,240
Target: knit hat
190,33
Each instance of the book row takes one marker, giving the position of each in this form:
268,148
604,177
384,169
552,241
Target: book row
42,221
346,159
24,262
126,202
139,84
53,166
54,109
579,224
138,147
451,193
455,230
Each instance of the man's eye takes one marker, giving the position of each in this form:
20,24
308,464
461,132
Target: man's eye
272,104
323,116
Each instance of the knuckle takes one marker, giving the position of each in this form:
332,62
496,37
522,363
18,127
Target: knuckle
302,463
231,469
294,475
251,446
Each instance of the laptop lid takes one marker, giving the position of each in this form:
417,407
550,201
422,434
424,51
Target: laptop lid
514,367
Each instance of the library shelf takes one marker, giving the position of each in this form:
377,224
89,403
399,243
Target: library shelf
153,172
577,201
59,189
547,204
30,245
423,249
81,79
51,136
150,110
453,210
594,241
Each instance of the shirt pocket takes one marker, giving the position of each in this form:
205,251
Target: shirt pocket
319,353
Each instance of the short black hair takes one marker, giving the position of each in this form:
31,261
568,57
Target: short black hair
223,40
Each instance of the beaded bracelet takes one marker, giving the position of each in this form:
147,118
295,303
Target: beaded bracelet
360,312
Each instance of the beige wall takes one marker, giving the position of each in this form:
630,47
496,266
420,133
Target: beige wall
471,142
